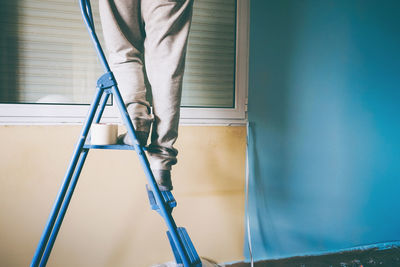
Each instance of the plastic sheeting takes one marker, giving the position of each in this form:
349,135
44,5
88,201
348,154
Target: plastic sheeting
324,118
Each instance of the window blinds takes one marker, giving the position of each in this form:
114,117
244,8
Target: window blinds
209,79
55,62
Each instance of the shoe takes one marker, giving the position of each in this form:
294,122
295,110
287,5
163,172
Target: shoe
163,179
141,120
140,135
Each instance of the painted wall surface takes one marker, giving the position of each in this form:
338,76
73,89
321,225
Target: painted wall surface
109,221
324,111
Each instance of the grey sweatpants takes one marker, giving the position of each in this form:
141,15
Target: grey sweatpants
146,40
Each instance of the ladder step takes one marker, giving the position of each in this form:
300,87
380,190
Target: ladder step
188,246
115,147
167,196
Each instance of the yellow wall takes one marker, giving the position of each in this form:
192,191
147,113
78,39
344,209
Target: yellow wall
109,222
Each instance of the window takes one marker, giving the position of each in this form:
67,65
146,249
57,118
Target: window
49,67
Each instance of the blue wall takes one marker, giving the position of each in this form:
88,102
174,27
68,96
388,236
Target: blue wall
324,111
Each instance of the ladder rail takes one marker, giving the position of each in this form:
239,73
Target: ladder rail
88,19
103,104
66,183
171,225
64,208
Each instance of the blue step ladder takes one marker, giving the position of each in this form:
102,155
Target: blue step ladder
161,201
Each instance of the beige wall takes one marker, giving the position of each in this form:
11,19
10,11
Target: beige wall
109,222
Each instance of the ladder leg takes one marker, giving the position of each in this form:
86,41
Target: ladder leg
64,208
67,179
103,103
150,178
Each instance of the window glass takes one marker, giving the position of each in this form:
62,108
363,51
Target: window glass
47,55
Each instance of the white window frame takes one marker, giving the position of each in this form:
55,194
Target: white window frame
28,114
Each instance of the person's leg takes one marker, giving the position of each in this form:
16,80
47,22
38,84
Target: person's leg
123,34
166,23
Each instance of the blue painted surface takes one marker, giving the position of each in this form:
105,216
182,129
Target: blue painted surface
324,112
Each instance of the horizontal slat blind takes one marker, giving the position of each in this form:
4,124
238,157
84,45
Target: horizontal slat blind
55,62
210,64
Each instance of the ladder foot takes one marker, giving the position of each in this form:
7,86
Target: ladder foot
188,246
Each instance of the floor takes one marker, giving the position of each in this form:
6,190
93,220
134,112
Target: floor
360,258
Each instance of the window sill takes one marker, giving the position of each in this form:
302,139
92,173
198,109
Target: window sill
34,114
